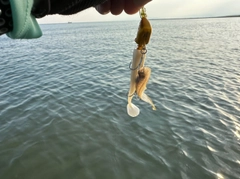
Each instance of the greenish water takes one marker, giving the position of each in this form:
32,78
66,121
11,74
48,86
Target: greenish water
63,103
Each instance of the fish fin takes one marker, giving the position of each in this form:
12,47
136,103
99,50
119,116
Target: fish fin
133,110
145,98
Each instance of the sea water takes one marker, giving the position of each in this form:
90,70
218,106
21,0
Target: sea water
63,101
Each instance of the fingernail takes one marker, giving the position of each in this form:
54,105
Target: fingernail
141,3
106,12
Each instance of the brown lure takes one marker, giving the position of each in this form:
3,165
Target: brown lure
144,33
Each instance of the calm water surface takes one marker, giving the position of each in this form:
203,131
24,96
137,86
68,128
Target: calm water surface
63,103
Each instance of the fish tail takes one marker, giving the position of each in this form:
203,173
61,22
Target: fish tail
145,98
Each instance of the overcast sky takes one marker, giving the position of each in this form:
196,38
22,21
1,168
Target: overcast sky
158,9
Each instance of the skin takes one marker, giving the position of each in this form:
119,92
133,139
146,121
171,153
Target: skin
143,77
117,6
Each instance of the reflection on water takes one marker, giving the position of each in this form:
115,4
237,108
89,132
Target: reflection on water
63,102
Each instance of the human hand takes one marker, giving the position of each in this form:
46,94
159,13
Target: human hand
117,6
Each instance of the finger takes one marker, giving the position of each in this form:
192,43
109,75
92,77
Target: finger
117,6
104,8
133,6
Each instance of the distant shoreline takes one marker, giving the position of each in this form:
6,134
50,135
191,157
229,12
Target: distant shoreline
179,18
173,18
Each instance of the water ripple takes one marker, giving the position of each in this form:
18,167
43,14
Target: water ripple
63,104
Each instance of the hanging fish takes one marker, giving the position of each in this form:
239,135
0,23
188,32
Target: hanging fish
139,73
